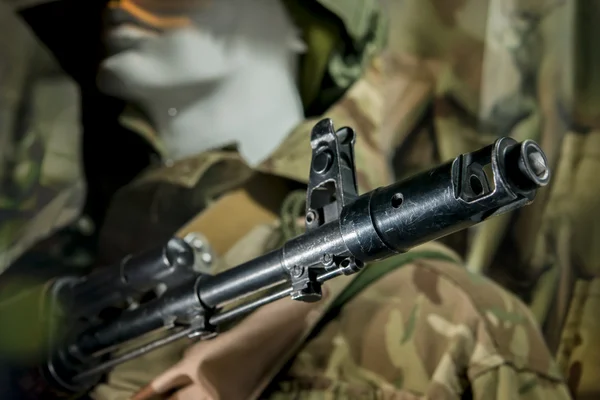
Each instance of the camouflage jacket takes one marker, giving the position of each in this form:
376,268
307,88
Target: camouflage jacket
41,188
520,68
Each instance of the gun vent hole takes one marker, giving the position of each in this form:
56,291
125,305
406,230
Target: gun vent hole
489,176
476,185
397,200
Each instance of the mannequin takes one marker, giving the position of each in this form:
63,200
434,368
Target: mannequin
226,78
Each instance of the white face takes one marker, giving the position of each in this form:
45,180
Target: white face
228,77
149,61
205,51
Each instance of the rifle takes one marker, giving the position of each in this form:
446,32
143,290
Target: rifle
344,232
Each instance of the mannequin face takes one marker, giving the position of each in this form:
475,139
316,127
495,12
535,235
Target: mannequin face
201,43
225,74
182,50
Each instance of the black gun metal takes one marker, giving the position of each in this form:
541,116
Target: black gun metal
344,232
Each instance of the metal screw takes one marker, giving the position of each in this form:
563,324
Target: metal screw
297,271
198,244
311,217
207,258
194,240
327,259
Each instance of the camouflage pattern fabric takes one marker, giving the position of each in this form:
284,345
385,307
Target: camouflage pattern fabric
521,68
428,330
499,69
40,174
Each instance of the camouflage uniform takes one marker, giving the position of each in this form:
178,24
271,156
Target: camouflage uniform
523,72
430,329
40,175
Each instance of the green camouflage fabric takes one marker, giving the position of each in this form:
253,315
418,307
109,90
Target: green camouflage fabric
520,68
41,188
428,330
